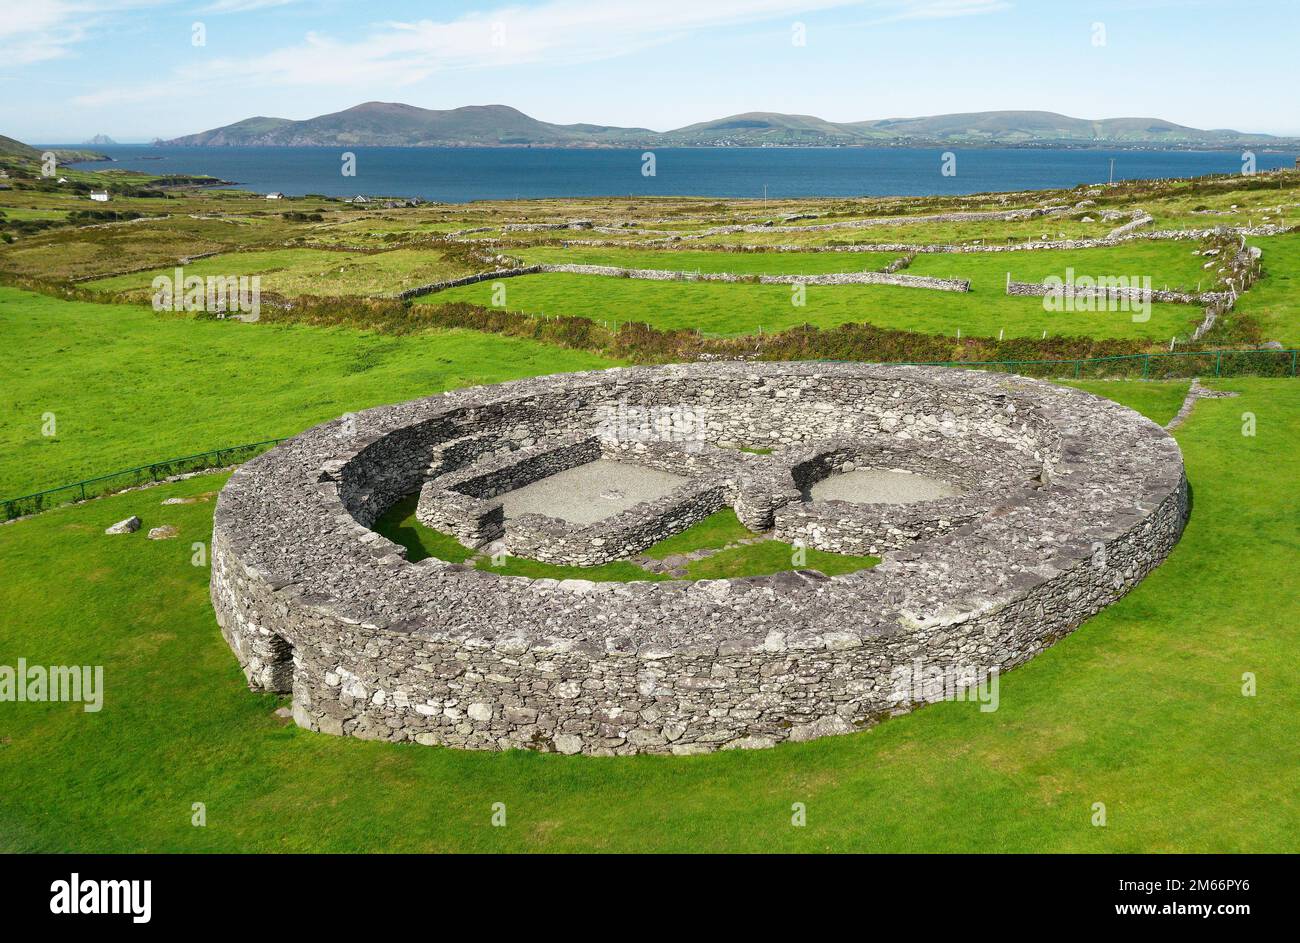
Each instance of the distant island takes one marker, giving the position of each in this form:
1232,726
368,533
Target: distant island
100,140
388,124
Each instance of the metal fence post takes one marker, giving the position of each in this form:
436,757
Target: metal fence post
1218,363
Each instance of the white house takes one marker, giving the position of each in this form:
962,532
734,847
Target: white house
99,196
359,199
275,196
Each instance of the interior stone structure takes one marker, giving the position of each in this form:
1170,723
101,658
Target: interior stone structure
1038,505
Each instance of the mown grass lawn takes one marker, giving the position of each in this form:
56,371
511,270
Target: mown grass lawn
127,387
721,308
1142,709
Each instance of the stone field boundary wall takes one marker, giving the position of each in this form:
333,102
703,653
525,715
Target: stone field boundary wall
1268,229
1114,293
313,602
662,275
962,216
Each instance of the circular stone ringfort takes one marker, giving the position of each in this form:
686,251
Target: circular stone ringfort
1005,511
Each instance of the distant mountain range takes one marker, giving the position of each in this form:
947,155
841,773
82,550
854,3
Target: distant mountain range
398,125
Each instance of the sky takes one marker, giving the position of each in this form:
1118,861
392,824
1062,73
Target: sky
140,69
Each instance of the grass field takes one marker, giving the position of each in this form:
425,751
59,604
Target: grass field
128,387
1158,400
1275,299
1168,264
293,272
739,263
1141,709
745,308
914,233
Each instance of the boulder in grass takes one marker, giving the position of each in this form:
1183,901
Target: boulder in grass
165,532
128,526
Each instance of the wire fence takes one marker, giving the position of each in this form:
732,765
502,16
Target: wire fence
1158,366
132,477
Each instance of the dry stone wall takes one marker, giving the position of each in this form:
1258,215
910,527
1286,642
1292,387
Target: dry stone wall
1115,293
1195,235
666,275
313,602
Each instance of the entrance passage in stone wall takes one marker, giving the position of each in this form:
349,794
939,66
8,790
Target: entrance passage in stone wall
277,670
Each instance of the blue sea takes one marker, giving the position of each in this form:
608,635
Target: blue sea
457,175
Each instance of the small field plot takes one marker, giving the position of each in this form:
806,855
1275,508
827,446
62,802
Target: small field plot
293,272
85,253
924,233
1274,300
1169,264
739,263
719,308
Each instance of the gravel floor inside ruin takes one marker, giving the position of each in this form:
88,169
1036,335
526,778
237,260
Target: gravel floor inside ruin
873,486
591,492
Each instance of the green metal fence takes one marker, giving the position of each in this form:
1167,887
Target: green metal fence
131,477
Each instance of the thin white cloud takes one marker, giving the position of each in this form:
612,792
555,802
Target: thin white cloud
37,31
946,9
397,54
244,6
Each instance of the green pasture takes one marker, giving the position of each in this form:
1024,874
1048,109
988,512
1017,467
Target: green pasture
1142,709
